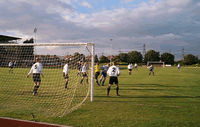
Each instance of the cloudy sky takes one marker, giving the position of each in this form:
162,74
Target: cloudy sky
162,25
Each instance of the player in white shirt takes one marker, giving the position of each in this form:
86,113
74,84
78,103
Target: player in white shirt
65,74
104,73
135,67
36,69
79,67
151,69
113,72
84,73
179,66
130,67
11,66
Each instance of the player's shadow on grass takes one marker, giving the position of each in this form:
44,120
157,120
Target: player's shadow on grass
142,85
151,85
140,89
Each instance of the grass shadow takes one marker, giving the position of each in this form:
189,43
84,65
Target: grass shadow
125,96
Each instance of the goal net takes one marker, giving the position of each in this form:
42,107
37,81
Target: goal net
53,99
156,64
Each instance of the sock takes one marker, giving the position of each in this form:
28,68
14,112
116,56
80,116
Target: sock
87,80
66,84
117,89
149,73
97,82
81,80
108,90
153,73
103,83
35,88
100,80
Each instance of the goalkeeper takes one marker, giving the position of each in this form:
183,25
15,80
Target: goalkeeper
36,69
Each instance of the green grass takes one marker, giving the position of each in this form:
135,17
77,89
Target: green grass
170,98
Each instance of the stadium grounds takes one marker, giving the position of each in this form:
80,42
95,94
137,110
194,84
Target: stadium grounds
170,98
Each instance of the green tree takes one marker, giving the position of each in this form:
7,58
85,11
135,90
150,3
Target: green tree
116,58
152,55
96,59
134,57
168,58
190,59
123,57
103,59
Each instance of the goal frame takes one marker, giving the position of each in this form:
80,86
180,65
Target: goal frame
149,62
67,44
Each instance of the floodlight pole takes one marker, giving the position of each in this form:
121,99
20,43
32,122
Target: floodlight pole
35,31
111,52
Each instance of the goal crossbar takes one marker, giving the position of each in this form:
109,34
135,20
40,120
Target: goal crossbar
149,62
50,44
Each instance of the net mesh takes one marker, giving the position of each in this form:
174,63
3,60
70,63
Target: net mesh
16,93
155,64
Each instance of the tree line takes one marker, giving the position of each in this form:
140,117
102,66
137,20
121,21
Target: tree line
151,55
27,53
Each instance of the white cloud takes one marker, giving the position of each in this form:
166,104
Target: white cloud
132,27
66,1
174,10
178,2
151,1
126,1
57,8
86,4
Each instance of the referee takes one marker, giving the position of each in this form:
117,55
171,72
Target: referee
36,69
113,72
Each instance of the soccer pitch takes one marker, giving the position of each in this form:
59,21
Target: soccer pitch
170,98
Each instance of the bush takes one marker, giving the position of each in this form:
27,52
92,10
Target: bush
140,64
121,63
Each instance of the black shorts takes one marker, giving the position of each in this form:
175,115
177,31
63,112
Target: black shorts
130,69
11,67
96,75
36,77
113,80
65,76
84,74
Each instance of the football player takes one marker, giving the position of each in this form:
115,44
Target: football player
104,73
130,67
36,69
84,73
113,72
65,74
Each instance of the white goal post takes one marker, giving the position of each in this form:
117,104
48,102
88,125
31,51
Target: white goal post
155,62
